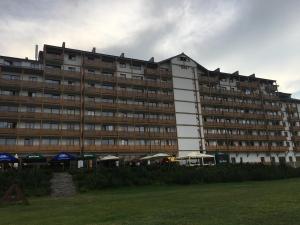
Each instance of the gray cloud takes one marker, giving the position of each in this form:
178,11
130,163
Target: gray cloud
261,37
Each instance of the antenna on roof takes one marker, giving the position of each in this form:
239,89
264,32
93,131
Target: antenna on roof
217,70
236,73
122,55
151,59
36,52
94,50
63,44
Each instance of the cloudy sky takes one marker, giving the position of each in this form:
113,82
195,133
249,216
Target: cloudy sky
252,36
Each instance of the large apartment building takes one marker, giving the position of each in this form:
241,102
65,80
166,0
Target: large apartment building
85,102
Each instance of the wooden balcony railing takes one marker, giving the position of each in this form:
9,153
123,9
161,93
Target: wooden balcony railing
51,149
248,84
162,72
25,132
241,115
127,120
33,116
244,137
54,58
25,100
170,149
247,148
129,134
207,80
58,73
98,63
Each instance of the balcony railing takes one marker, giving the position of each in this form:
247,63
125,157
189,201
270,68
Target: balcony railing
170,149
130,134
207,80
54,58
51,149
127,120
25,100
158,72
241,115
53,72
247,148
25,132
244,84
244,137
33,116
98,63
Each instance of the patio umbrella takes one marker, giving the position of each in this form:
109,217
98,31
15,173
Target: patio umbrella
156,156
7,158
34,157
63,157
109,157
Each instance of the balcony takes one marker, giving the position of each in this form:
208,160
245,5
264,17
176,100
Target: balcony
50,149
272,107
220,92
34,116
248,84
231,104
244,137
296,138
146,149
38,86
25,100
126,120
25,132
208,80
99,64
129,107
55,58
160,72
234,126
129,134
239,149
58,73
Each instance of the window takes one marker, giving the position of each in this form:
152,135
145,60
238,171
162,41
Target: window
262,160
72,57
233,160
33,78
7,141
182,58
123,75
122,65
184,67
28,141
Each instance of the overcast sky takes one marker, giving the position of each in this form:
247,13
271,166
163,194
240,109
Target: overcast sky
252,36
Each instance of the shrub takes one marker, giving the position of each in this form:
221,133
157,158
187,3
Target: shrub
34,182
173,174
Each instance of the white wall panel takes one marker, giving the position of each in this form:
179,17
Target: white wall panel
184,95
188,131
185,107
188,144
188,119
183,83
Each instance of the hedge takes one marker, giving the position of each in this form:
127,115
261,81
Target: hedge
164,175
35,182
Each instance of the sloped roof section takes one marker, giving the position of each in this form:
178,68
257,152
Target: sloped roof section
180,55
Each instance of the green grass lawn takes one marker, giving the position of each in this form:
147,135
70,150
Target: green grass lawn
257,203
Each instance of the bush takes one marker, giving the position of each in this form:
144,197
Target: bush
173,174
34,182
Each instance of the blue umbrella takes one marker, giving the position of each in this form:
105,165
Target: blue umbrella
7,158
63,157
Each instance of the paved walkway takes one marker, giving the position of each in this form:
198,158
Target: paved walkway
62,185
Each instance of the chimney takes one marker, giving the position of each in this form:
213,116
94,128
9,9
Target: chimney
236,73
122,55
63,44
26,58
217,70
151,59
94,50
36,52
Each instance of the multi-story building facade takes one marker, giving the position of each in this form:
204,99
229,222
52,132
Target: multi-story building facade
85,102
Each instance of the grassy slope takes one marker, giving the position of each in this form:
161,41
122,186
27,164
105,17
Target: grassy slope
273,202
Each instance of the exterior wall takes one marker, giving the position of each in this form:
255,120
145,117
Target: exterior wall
187,105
